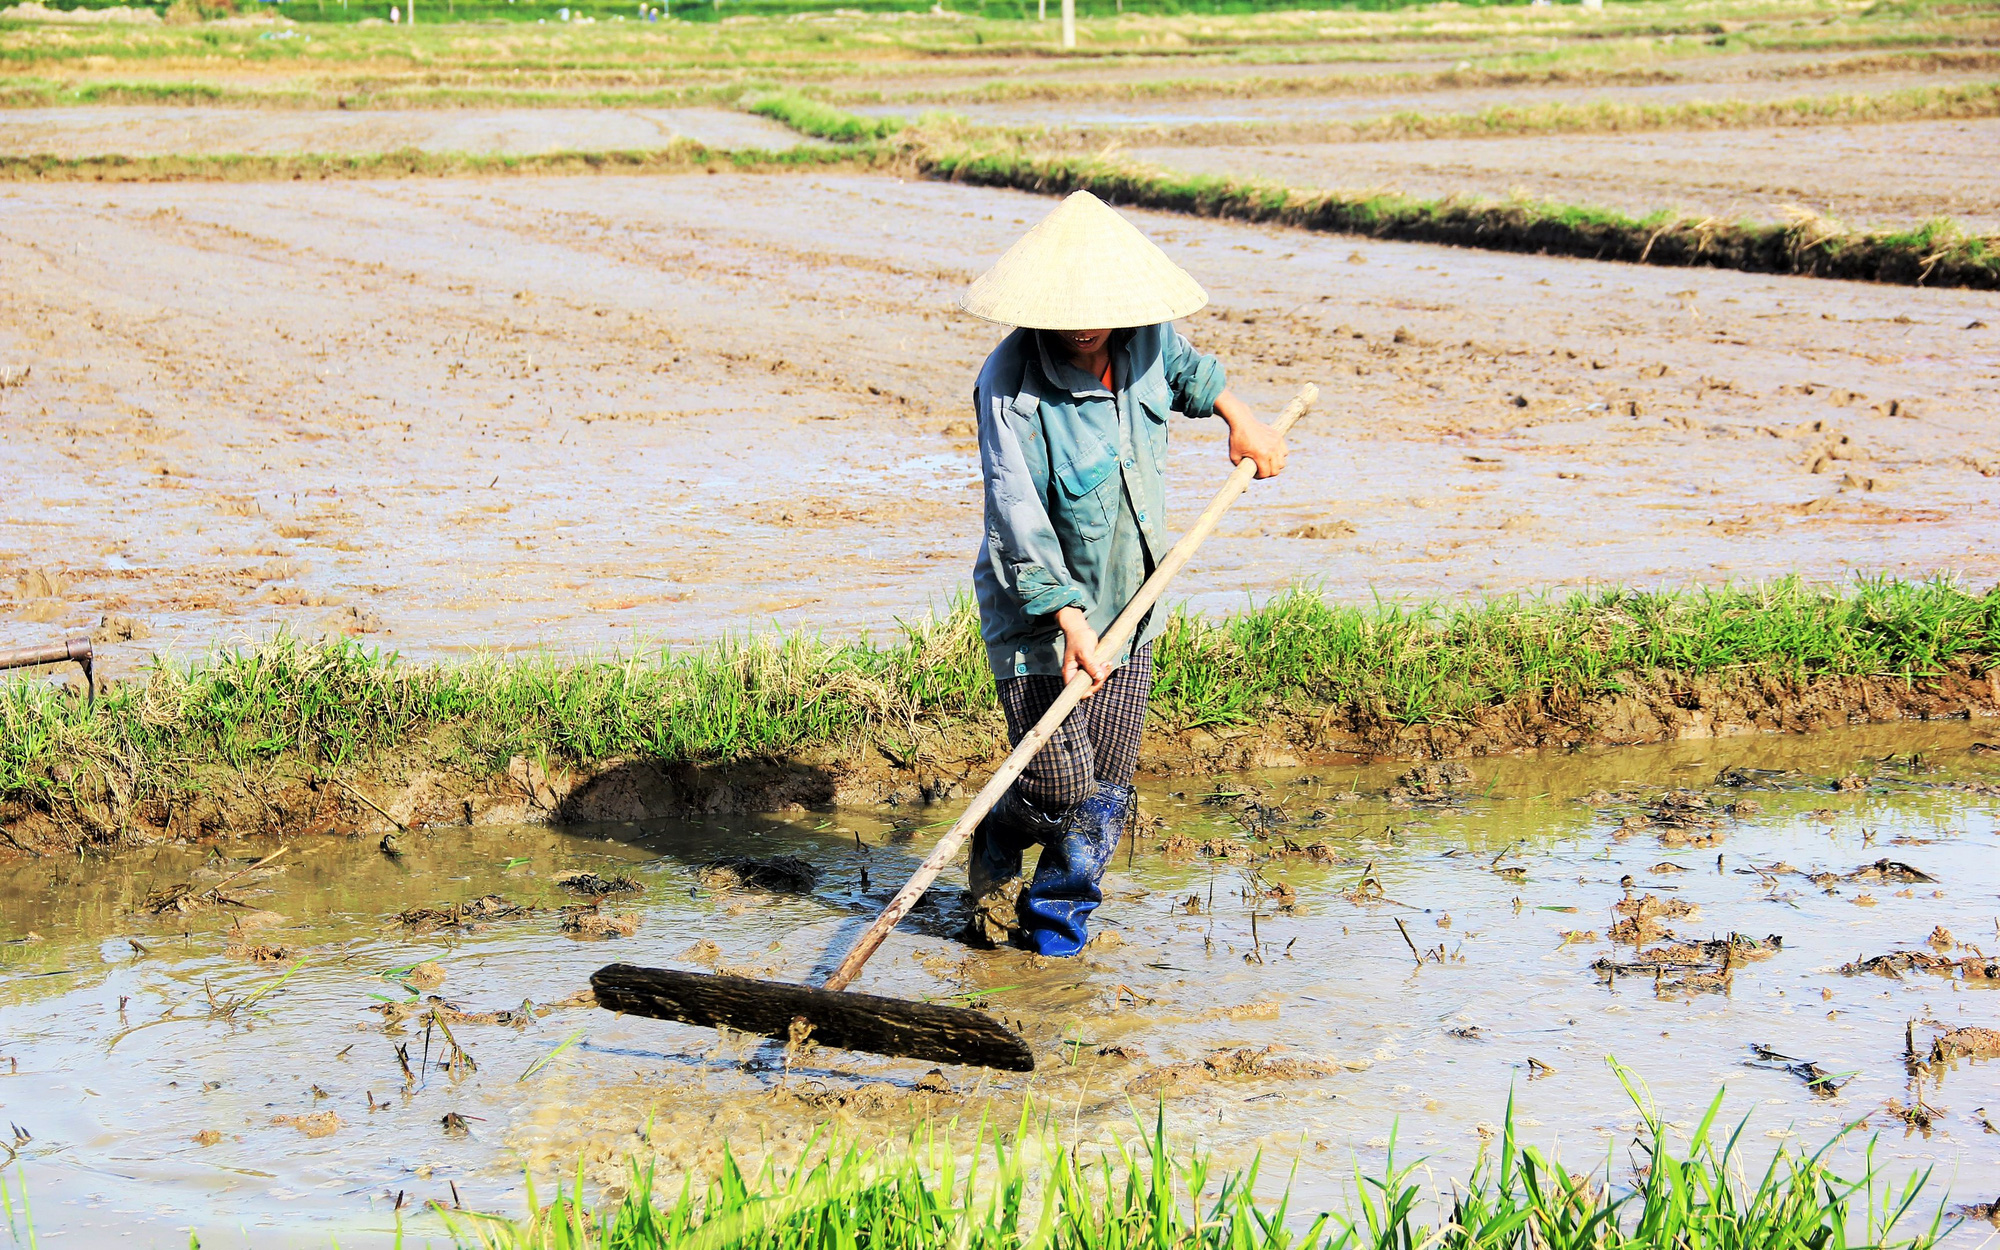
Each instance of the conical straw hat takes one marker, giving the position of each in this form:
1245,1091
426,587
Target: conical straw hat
1083,267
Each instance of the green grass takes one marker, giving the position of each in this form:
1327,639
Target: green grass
678,156
822,120
1039,1194
781,44
296,710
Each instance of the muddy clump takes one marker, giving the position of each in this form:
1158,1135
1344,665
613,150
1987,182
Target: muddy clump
1737,948
779,874
260,952
1971,1042
1651,906
1974,968
588,921
1641,918
590,885
1891,870
462,915
1243,1063
873,1100
1720,954
1988,1211
1432,783
1895,963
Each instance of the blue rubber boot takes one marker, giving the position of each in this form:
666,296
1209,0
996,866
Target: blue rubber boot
1055,908
993,878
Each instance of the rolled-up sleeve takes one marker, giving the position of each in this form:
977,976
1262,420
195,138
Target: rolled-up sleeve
1026,556
1195,378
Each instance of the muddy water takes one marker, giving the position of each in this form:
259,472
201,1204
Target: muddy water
166,1076
606,412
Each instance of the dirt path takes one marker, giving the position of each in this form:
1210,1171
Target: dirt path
589,412
1892,176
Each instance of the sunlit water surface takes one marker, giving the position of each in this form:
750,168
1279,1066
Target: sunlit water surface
163,1079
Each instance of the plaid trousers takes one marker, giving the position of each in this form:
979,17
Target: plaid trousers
1099,741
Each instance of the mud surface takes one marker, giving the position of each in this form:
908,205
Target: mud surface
1301,108
141,130
219,1030
593,412
1891,176
1374,67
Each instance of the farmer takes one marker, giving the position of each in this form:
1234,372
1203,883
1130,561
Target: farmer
1073,444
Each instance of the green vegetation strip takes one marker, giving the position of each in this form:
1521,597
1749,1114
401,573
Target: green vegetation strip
377,92
1350,82
679,156
1561,117
1711,1194
822,120
295,710
1938,253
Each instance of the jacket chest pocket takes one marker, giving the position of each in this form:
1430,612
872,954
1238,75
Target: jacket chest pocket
1154,403
1088,490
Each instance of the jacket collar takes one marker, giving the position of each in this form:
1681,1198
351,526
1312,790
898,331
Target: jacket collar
1064,376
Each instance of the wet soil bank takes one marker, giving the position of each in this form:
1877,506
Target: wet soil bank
904,762
1809,246
1885,177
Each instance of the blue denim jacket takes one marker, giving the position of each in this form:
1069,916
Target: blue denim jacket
1075,486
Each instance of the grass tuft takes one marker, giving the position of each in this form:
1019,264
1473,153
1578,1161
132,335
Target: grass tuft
1147,1192
822,120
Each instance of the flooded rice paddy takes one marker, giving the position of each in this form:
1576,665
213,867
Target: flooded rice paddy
1307,962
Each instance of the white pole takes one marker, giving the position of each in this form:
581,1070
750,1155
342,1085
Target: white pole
1069,23
1041,10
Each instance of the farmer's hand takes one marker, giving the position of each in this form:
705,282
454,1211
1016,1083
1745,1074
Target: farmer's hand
1080,649
1251,438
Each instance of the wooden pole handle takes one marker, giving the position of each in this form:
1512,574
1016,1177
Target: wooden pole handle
1108,646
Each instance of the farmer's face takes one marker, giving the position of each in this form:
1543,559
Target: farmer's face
1084,343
